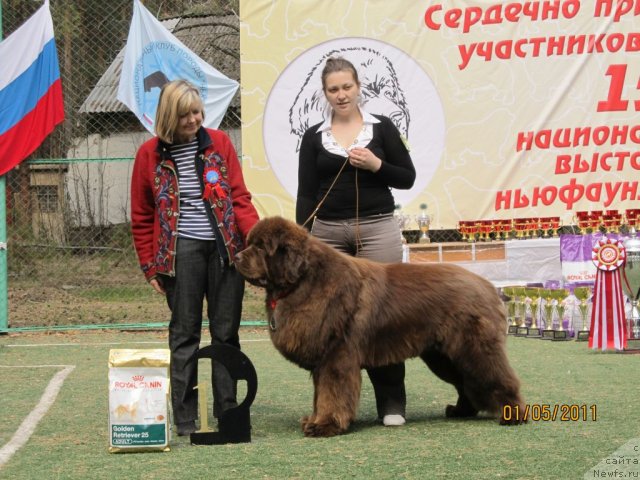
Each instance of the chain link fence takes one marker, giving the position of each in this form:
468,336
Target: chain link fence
70,254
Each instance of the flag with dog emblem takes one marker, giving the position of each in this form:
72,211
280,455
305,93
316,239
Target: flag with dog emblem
31,102
153,57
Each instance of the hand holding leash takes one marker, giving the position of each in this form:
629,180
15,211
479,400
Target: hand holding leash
365,159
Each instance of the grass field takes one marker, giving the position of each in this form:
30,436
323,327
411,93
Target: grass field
71,440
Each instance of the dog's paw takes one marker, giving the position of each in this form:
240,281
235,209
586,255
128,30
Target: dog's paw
315,429
454,411
304,421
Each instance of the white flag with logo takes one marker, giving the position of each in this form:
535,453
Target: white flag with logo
153,57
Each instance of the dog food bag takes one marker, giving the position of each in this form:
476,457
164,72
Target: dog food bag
138,400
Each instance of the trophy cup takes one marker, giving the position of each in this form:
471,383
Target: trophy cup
581,219
547,333
403,222
632,215
561,297
532,227
595,220
521,310
534,294
520,225
583,294
423,221
472,229
505,229
462,229
555,226
631,287
550,333
511,310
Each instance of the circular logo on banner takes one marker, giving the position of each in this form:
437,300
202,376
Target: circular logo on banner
608,254
392,84
160,63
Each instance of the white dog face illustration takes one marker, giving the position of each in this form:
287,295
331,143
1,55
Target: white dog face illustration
392,84
379,87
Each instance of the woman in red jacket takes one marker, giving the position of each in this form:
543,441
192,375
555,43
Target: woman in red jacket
190,214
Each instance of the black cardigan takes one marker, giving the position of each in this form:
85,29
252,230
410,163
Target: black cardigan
317,169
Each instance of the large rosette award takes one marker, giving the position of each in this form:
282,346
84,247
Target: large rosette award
608,326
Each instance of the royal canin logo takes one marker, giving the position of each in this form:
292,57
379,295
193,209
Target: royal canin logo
137,378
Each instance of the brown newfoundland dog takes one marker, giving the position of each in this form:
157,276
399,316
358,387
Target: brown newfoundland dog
333,315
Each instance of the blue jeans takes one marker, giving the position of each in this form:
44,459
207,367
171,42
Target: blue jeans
200,274
376,238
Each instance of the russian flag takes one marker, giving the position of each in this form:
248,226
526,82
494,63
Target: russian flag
31,102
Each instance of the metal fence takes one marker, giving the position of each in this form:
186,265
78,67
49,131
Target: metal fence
70,255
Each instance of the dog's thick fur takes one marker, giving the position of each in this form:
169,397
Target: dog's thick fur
333,314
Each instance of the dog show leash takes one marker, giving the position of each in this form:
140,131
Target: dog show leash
315,210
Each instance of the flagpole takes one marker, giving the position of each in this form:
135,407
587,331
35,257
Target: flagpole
4,317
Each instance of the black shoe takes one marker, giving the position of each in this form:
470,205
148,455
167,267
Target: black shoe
186,428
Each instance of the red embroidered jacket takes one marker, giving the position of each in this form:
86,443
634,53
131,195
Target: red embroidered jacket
155,201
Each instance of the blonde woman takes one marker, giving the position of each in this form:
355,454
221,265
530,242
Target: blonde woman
190,214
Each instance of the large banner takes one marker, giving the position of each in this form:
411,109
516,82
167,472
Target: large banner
512,110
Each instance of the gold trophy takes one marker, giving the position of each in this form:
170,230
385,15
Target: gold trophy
583,294
534,294
423,221
555,303
555,226
631,287
547,333
520,225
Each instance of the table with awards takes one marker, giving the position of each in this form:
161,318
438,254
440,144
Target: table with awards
501,262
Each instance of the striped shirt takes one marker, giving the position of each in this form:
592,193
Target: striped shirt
193,221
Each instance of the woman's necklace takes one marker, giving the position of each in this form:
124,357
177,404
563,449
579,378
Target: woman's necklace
346,133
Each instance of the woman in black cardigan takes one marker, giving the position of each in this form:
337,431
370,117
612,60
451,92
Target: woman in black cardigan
347,167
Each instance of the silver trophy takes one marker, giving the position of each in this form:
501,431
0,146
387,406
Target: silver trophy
631,286
403,222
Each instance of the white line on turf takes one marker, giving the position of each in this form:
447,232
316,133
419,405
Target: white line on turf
28,426
36,366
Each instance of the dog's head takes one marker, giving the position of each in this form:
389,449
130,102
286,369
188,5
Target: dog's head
277,254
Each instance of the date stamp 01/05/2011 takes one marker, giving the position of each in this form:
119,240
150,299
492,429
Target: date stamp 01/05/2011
541,412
